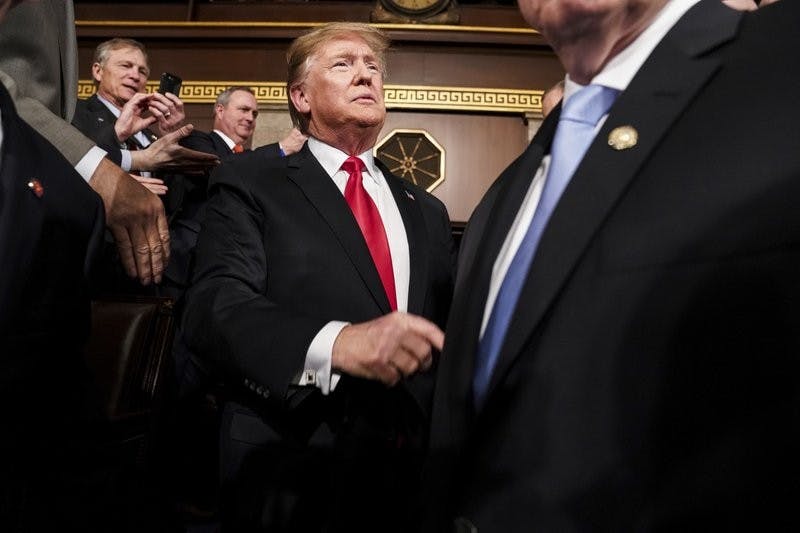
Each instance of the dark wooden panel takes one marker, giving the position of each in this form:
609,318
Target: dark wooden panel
471,15
477,149
408,65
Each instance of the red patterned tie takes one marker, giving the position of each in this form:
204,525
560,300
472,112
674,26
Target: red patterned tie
369,220
238,148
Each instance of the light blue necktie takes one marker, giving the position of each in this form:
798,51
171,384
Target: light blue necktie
575,132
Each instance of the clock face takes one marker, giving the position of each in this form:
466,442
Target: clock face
415,7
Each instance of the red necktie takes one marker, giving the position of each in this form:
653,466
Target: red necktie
369,220
238,148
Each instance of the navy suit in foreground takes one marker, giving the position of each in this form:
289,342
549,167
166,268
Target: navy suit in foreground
649,379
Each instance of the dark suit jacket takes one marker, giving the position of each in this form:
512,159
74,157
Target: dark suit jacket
47,242
279,256
194,191
649,377
212,143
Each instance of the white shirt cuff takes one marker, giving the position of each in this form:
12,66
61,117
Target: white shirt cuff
89,163
317,369
126,161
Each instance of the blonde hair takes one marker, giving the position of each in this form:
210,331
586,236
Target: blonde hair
304,47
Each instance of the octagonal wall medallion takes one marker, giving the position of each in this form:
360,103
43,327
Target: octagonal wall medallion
414,155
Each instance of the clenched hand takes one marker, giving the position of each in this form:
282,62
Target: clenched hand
388,348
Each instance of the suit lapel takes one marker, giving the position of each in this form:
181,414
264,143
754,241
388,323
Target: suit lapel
306,172
417,237
99,109
653,101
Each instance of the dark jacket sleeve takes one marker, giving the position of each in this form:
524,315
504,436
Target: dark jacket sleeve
228,321
269,150
200,141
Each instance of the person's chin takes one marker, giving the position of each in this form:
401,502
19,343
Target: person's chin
369,120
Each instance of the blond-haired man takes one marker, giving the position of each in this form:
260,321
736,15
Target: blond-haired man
313,275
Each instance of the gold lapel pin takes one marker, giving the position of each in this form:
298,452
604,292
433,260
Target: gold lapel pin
36,186
623,137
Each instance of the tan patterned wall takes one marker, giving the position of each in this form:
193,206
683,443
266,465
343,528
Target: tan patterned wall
396,96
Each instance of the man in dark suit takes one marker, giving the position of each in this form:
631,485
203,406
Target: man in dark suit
312,316
235,115
646,377
120,115
50,225
38,66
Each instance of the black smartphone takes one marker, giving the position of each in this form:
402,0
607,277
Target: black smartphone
170,83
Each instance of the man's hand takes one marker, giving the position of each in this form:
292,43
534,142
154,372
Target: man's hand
168,111
167,154
136,218
293,142
130,120
388,348
154,185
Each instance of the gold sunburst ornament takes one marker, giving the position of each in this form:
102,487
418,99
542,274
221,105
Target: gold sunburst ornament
414,155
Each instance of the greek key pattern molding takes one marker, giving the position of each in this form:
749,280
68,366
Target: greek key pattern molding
409,97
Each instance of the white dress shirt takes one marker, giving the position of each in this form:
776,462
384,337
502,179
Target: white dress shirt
617,74
89,162
317,370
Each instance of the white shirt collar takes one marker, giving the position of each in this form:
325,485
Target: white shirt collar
332,159
225,138
111,107
619,72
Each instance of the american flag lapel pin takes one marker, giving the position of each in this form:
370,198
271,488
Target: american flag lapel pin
36,186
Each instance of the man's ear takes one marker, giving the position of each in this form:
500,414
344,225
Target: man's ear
97,69
300,99
218,109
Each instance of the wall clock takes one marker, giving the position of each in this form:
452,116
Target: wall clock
416,11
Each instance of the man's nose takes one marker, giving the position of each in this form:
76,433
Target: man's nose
362,73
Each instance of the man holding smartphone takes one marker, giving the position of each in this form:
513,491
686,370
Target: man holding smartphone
122,115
